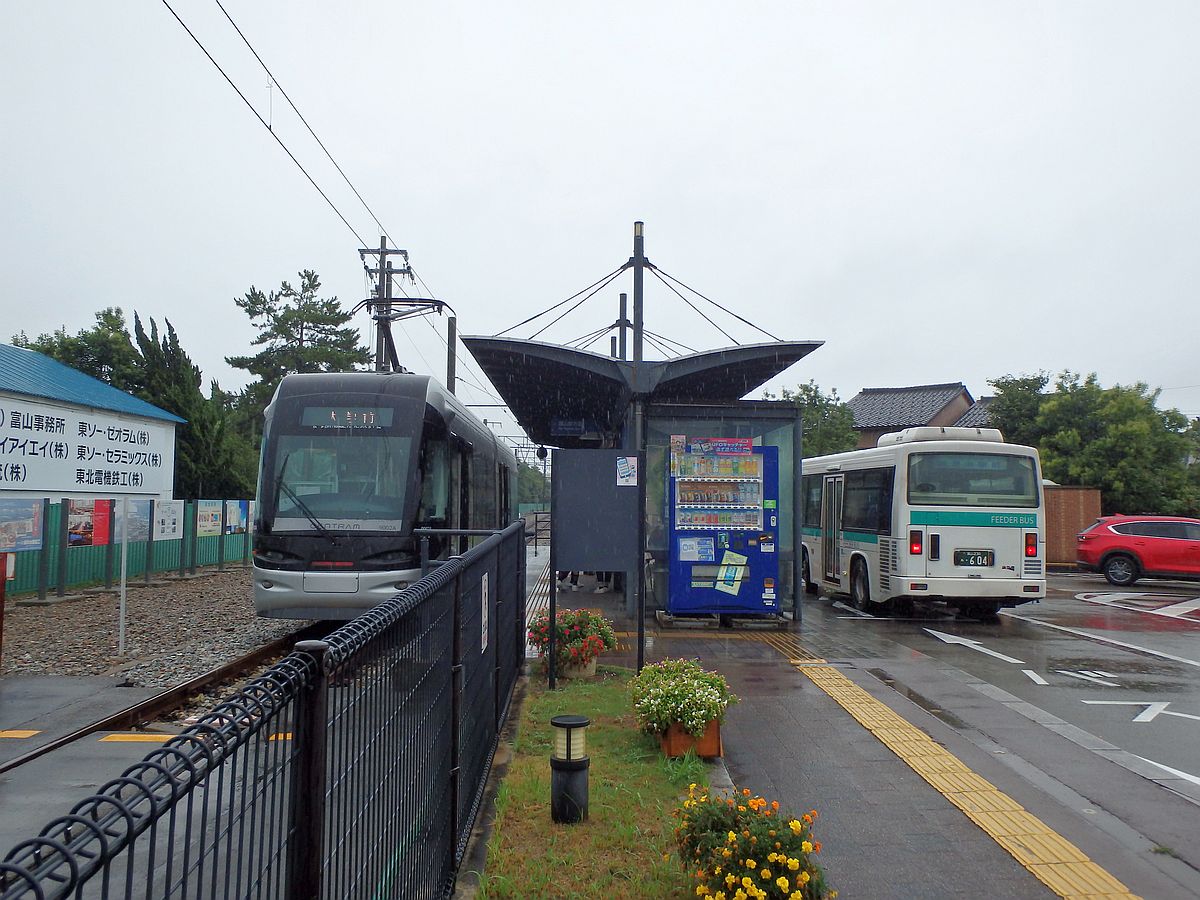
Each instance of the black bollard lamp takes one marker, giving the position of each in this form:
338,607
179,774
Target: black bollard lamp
569,769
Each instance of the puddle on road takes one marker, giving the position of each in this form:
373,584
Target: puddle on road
922,701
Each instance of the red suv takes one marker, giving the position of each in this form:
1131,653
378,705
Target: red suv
1126,548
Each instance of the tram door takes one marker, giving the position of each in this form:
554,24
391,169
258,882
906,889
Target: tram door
831,527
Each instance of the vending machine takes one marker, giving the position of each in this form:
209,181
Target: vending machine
723,500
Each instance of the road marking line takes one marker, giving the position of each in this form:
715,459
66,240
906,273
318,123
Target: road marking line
1152,711
18,733
1179,609
973,644
1048,856
1084,676
1035,677
1102,639
1184,775
136,738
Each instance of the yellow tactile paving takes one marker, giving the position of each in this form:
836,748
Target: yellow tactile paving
18,733
135,738
1052,859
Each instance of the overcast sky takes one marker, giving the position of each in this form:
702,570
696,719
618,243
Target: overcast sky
941,191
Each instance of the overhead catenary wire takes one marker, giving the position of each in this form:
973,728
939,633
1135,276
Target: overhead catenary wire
320,143
264,123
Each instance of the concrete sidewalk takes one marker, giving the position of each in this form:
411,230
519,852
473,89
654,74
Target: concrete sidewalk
887,831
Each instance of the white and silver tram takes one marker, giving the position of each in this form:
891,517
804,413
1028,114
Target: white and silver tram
351,464
951,514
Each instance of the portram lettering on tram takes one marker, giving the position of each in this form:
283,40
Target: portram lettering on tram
351,464
951,514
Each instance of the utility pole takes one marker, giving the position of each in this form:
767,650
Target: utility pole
381,305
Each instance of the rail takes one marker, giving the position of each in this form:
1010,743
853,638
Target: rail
354,767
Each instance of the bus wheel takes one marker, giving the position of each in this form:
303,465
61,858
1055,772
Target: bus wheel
985,610
806,577
860,586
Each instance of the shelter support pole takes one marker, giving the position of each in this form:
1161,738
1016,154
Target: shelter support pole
797,523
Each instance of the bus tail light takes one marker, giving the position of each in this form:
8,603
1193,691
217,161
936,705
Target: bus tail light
916,543
1031,542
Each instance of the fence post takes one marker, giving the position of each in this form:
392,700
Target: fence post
195,536
149,544
221,539
64,541
307,819
456,690
44,553
109,548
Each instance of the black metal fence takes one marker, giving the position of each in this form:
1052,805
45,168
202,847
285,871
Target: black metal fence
354,767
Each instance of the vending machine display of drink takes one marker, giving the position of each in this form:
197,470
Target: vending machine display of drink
723,500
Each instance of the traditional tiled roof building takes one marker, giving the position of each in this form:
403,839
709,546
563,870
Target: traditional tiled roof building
880,410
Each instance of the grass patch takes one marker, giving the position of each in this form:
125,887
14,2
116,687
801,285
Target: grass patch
633,791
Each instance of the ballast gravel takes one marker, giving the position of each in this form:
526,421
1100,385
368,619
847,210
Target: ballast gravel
173,632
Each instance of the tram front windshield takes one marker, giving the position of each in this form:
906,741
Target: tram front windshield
340,469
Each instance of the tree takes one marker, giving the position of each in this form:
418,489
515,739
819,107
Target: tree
828,422
1118,440
532,486
104,351
1015,409
210,461
298,332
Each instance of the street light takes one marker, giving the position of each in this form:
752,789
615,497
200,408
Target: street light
569,769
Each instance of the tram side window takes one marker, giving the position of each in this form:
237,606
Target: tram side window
812,500
868,500
435,484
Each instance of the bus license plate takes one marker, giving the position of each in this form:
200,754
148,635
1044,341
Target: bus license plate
981,558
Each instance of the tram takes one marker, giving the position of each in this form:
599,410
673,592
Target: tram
351,464
950,514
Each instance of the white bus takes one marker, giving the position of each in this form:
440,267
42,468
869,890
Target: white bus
951,514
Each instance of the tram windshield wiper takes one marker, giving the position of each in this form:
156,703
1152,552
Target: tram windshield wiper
281,485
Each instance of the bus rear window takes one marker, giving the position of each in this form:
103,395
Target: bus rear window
972,479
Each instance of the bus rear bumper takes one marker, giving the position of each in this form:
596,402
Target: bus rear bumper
325,595
1010,591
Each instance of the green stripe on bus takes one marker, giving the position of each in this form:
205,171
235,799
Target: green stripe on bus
810,531
990,519
860,536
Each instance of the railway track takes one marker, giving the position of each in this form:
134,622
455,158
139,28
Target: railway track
173,698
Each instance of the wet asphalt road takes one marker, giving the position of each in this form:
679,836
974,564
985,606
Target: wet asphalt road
1123,665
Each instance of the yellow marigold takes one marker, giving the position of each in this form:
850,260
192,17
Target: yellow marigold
764,873
740,895
732,838
727,853
746,882
751,864
741,808
781,883
806,846
701,890
731,879
796,895
795,826
804,877
770,857
719,895
793,863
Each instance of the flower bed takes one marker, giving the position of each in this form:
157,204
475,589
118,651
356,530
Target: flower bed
580,636
679,691
744,847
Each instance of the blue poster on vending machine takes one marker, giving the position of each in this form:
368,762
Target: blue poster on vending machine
723,502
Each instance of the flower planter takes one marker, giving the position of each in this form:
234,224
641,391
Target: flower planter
578,670
676,741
